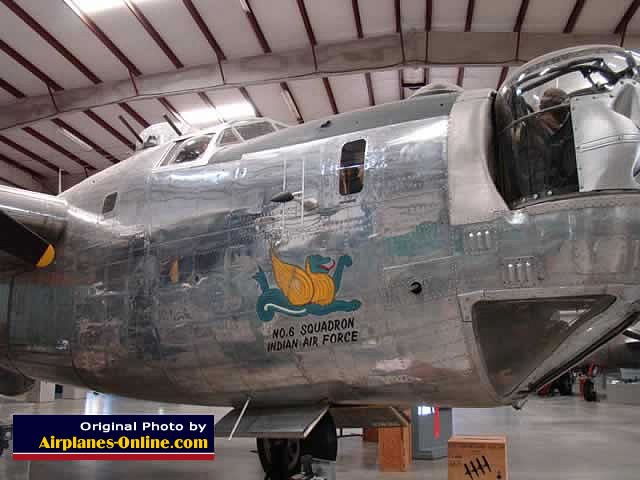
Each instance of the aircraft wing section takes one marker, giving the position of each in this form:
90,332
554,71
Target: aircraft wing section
363,416
30,223
283,422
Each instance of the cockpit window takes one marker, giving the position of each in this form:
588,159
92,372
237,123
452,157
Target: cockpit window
228,137
535,137
253,130
188,150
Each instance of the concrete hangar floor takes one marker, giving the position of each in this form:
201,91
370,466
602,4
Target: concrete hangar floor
561,437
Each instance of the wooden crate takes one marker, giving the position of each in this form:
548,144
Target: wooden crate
478,457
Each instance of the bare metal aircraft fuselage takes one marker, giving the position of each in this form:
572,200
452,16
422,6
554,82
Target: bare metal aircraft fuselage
256,274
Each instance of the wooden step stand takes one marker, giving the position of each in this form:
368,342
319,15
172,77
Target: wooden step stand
394,448
370,434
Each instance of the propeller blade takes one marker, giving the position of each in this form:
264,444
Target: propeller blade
23,243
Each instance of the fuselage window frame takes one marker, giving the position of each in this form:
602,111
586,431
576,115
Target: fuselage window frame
240,128
109,204
235,134
352,166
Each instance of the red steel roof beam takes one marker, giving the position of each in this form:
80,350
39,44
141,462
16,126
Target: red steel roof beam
367,76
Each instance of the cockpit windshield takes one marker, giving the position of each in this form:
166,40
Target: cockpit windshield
536,149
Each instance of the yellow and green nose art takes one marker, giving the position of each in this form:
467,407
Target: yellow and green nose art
303,291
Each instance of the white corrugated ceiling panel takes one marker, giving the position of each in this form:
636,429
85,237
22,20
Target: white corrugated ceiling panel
377,18
547,15
150,110
481,77
495,15
634,25
331,20
268,99
39,148
386,86
450,15
230,27
231,104
281,24
60,21
52,132
109,114
120,25
14,177
194,110
443,74
176,27
6,97
350,92
20,77
97,134
312,98
413,13
31,46
596,19
414,77
26,161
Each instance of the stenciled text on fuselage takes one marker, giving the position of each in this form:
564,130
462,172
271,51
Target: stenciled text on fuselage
308,335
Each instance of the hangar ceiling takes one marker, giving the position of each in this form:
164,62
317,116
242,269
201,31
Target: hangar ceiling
79,79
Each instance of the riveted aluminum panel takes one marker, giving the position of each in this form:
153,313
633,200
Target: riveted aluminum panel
471,157
45,214
521,271
607,142
436,277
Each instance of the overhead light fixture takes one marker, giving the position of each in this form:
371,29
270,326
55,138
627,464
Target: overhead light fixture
288,99
236,110
75,139
93,6
245,6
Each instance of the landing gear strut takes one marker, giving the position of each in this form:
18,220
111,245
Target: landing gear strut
280,458
5,436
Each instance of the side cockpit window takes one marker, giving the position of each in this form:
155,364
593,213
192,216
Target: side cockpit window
187,151
228,137
352,167
254,130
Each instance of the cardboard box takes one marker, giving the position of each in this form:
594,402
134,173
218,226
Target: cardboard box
473,457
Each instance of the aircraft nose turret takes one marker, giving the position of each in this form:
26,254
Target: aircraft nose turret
568,123
607,137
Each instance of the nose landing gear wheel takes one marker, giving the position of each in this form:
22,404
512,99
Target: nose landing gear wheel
322,442
282,456
270,453
589,392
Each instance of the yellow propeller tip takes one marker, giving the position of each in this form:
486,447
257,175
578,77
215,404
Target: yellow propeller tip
47,257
